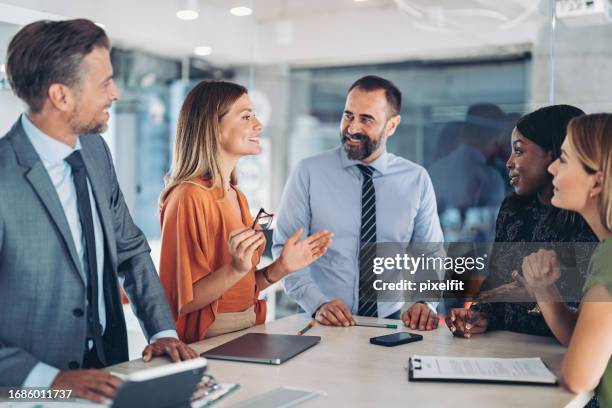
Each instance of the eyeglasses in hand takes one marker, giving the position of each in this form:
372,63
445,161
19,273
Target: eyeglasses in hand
262,221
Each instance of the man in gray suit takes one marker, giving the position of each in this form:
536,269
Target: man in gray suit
66,236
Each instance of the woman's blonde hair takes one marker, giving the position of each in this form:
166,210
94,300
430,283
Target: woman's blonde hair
591,138
196,145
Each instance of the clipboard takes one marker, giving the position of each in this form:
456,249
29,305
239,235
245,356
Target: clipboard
419,369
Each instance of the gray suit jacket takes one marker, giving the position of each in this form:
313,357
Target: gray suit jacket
42,289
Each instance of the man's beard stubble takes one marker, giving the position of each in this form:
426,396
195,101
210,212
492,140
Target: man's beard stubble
364,150
92,127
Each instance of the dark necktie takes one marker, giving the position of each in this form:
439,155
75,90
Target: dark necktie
367,245
79,176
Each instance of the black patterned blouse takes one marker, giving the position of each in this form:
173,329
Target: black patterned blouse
525,220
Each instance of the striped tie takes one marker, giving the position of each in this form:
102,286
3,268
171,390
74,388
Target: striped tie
367,245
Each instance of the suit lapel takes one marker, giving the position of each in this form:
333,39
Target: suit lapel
101,198
39,179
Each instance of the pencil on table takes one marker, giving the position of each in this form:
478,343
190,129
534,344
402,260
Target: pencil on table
308,327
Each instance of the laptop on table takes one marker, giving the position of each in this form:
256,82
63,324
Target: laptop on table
262,348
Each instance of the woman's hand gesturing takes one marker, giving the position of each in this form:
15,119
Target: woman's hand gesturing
298,254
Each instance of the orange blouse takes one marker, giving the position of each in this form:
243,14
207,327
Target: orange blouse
196,223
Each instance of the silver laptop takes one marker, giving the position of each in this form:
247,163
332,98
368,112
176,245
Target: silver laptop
262,348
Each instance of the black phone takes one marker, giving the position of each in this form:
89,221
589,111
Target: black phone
395,339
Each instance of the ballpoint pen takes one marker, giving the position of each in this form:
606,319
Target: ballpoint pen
305,329
383,325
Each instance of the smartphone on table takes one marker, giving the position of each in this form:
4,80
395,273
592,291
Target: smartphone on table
395,339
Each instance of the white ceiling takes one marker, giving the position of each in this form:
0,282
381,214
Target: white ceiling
311,31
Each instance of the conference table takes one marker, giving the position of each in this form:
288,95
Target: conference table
349,371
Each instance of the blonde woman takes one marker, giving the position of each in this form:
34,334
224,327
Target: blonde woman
210,248
582,183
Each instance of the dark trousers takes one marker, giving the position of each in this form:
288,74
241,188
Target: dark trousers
395,315
90,360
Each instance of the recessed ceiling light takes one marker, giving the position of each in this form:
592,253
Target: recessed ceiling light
187,14
188,10
202,51
360,1
241,11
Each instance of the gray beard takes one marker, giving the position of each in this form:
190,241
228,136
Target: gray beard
366,148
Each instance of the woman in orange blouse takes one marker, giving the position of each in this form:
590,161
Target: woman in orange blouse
209,251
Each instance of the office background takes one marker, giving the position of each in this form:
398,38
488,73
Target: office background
299,57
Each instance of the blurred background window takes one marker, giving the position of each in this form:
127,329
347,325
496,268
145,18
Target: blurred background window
467,70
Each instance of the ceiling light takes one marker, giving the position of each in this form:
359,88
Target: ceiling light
241,11
202,51
360,1
2,68
189,10
187,14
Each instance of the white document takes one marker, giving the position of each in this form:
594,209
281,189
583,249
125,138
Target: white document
521,370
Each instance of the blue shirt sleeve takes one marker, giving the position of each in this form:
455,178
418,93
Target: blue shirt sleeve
294,213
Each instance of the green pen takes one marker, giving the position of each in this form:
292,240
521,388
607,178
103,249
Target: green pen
383,325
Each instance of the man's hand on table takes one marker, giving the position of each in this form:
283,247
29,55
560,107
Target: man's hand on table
334,313
94,385
100,386
420,317
169,346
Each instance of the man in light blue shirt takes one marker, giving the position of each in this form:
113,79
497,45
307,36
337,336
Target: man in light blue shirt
362,194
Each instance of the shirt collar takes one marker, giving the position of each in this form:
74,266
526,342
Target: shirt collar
50,150
381,164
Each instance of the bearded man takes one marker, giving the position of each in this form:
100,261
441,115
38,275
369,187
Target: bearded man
363,195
